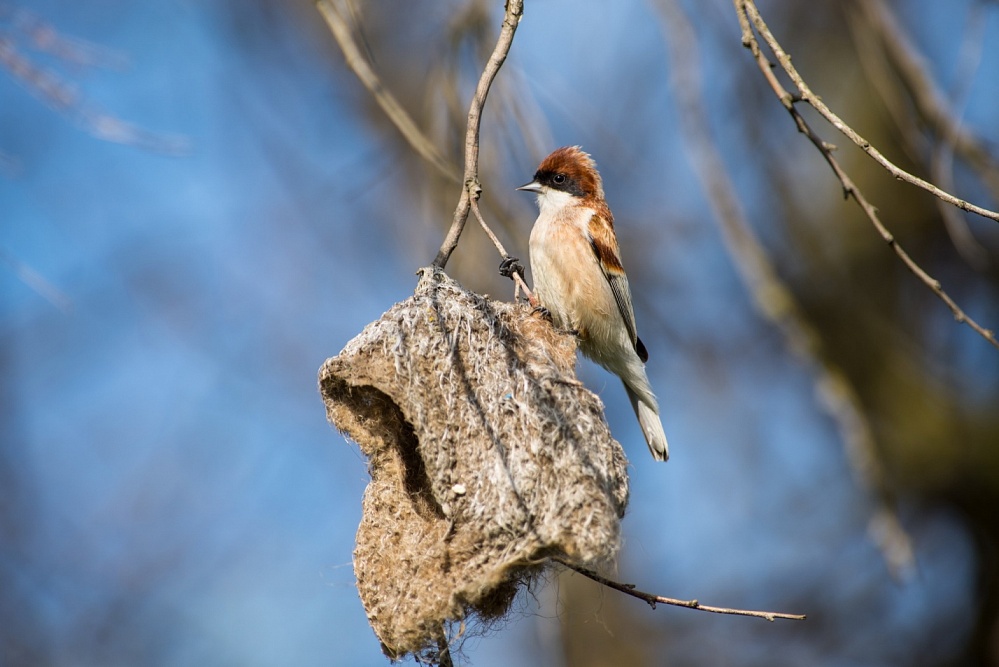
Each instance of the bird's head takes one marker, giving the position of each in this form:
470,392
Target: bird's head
568,175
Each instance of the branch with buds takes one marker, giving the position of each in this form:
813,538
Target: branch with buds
752,23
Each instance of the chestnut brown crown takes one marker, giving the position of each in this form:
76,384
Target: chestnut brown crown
571,170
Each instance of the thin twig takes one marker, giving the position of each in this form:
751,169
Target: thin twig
518,279
653,599
747,11
930,124
771,296
928,99
386,100
514,10
423,146
444,651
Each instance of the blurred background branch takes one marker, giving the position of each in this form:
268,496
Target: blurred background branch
337,21
939,111
906,86
25,38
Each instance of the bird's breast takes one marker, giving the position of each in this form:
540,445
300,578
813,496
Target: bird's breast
568,279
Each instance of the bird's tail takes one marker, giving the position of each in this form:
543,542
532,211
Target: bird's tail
652,426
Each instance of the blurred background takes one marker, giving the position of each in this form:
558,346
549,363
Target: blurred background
200,203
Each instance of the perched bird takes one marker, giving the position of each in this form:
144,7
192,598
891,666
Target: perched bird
579,279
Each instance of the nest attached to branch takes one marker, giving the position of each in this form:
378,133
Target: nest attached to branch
486,455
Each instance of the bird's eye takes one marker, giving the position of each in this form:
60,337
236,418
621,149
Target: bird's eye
559,179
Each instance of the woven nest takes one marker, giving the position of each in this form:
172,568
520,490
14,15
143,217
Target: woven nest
486,455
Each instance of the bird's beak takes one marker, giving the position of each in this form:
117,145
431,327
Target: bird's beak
533,186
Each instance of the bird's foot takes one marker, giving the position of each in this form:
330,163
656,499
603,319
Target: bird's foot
510,266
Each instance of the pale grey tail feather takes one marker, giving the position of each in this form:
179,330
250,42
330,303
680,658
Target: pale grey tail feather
652,426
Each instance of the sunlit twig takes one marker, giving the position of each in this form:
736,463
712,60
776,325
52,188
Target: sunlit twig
517,277
774,300
749,14
749,18
653,599
511,18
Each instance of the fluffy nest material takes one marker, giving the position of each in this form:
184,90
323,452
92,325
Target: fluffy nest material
486,455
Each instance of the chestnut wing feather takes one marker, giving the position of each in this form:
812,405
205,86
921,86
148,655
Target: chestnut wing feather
604,244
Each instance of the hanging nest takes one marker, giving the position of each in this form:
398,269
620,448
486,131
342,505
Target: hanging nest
486,457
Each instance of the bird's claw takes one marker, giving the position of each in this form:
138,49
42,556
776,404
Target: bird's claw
543,312
510,266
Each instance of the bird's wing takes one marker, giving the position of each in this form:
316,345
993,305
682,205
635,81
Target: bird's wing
604,244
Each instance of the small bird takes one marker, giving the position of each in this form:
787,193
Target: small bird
579,279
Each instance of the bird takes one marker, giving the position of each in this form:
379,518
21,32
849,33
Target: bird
580,281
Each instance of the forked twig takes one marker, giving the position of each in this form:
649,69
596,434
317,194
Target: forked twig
653,600
424,147
749,17
514,10
517,277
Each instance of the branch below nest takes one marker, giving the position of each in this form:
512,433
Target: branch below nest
653,600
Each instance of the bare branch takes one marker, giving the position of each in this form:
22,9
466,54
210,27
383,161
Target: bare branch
746,11
773,299
361,66
929,100
653,600
444,651
386,100
514,10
